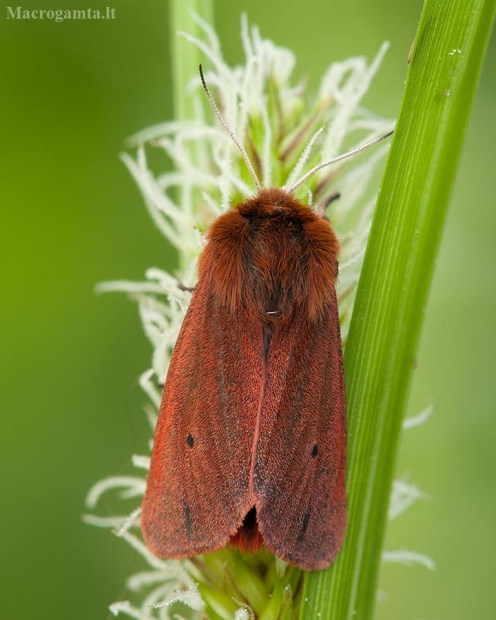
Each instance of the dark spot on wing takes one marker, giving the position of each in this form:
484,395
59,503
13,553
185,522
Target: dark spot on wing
304,526
190,440
315,451
187,521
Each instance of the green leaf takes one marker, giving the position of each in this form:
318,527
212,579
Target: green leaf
380,354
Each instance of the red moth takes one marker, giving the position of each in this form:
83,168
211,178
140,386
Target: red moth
250,444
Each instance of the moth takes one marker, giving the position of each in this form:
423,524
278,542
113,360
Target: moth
250,443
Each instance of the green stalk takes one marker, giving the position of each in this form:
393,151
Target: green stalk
185,57
379,359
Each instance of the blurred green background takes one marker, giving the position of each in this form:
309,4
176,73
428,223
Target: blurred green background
71,217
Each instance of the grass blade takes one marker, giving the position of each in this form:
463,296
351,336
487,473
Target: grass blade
379,359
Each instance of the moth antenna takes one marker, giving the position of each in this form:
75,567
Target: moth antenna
230,132
338,158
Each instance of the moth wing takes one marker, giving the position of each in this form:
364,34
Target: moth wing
198,483
299,473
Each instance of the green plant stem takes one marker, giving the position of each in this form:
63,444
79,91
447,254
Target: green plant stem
186,57
392,293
